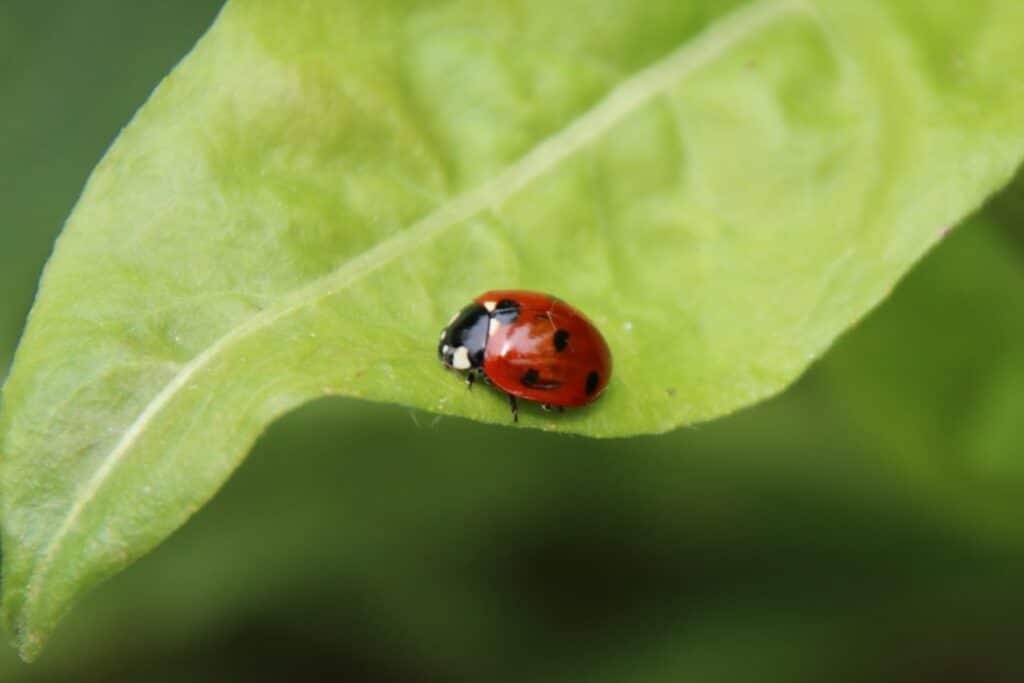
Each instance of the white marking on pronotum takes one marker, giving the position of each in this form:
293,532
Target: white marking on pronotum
493,327
460,359
444,349
490,305
625,99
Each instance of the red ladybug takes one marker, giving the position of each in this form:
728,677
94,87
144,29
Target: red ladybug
531,346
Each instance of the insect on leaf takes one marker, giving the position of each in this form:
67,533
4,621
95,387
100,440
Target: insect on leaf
723,187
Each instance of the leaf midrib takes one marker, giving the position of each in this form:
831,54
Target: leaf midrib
625,98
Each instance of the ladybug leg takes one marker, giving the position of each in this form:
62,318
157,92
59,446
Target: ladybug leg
515,407
470,378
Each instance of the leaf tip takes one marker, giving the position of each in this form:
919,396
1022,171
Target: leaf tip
29,646
26,640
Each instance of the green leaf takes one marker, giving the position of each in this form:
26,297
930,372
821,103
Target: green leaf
723,187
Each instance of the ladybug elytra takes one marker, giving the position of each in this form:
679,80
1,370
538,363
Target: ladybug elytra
531,346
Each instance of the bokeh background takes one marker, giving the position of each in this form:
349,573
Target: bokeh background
866,525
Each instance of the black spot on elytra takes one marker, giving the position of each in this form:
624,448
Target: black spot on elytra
531,378
506,312
561,340
592,380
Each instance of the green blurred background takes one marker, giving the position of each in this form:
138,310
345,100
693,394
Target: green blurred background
864,526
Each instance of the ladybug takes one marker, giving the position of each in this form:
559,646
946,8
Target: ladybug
531,346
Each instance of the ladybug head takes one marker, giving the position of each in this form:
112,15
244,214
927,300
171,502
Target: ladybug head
463,341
